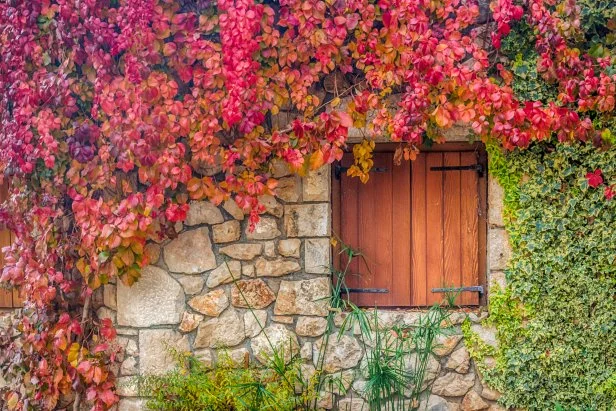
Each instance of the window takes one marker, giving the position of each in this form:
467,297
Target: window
420,226
8,298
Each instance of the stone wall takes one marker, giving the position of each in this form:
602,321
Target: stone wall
188,298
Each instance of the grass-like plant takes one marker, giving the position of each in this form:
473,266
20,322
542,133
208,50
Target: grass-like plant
397,361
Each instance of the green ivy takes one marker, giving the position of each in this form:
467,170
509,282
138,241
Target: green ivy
556,320
477,348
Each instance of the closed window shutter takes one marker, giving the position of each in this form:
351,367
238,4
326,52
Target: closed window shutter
374,218
417,228
8,298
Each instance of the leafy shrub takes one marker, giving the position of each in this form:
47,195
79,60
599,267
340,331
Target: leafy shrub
556,320
193,386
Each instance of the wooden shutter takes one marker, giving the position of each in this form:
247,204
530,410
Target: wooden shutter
8,298
373,222
418,228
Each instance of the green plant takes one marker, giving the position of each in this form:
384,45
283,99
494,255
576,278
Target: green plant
387,374
397,360
477,348
609,388
193,386
556,319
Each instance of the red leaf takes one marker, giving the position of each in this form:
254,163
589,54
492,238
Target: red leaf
107,330
84,367
100,348
108,397
344,119
594,178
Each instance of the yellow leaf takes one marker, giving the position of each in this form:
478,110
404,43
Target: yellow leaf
94,282
117,261
127,256
73,354
12,401
137,247
316,160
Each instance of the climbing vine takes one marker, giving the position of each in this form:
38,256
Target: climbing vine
556,320
115,113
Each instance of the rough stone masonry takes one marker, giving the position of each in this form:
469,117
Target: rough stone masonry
188,297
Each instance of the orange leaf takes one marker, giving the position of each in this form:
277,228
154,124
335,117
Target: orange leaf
442,117
316,160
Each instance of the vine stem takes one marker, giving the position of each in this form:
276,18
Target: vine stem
84,318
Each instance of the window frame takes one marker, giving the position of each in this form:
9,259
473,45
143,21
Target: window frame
479,148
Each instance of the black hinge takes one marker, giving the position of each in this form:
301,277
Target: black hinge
476,167
365,290
474,288
338,170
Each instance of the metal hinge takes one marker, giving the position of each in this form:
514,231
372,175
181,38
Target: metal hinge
338,170
365,290
474,288
476,167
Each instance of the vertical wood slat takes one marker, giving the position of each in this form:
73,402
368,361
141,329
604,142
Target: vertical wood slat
434,227
418,232
469,197
377,201
375,220
401,234
369,274
6,296
452,258
375,235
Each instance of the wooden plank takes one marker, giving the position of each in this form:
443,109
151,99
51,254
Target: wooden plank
6,296
401,234
452,255
469,214
17,301
418,231
434,229
375,231
6,299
